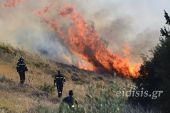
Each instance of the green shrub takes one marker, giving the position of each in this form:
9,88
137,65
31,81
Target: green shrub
104,102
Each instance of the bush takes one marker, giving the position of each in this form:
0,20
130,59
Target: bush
105,101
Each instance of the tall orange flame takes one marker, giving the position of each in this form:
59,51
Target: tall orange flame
83,40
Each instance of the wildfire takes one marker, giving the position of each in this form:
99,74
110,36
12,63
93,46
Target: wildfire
83,40
86,66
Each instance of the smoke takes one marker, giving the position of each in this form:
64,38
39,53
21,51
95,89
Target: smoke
144,42
22,27
118,33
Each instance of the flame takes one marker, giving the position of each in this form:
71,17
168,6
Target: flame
83,39
86,66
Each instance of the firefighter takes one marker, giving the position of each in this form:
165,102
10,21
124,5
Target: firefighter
21,69
70,100
58,82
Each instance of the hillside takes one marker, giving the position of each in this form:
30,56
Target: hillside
94,92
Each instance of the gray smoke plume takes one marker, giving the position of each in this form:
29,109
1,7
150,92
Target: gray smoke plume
21,27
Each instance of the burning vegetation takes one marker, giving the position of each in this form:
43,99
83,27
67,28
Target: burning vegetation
83,40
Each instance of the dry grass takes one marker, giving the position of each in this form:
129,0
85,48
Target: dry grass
18,99
16,102
31,98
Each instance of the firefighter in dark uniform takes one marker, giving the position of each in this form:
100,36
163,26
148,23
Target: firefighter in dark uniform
70,100
21,69
70,104
58,82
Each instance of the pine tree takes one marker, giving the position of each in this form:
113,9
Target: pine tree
167,18
156,72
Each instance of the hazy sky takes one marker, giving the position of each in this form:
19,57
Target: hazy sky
145,13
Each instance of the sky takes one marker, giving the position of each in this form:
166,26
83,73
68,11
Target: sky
149,13
135,22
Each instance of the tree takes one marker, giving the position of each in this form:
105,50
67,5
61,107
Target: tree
155,73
